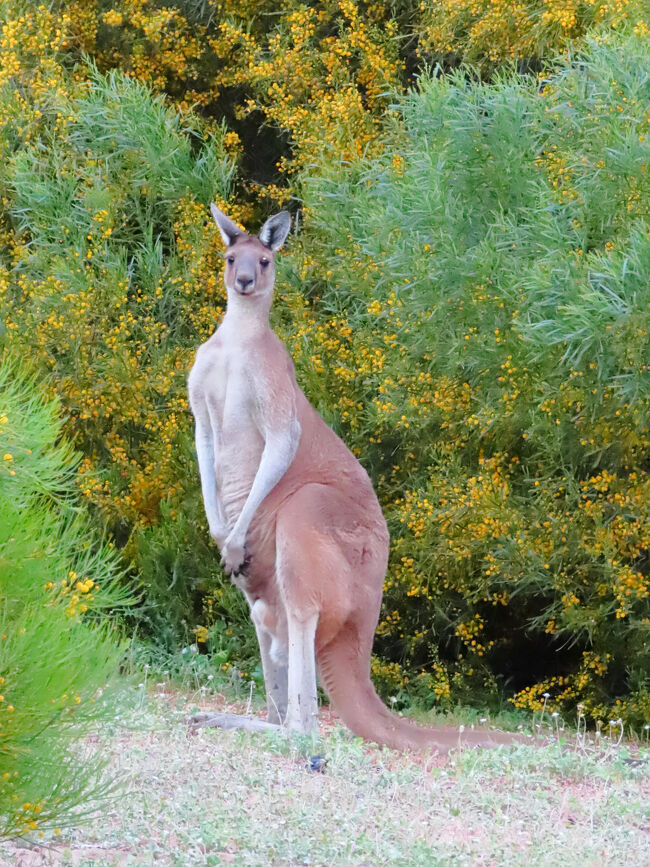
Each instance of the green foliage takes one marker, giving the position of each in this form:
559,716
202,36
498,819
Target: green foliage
112,281
57,653
477,327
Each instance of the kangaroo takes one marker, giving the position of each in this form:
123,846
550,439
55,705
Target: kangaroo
294,514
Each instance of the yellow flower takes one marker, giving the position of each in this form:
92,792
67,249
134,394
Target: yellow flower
113,18
202,634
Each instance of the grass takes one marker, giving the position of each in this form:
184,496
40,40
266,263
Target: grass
215,798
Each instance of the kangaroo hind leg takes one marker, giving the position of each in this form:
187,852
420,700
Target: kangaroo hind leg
302,710
313,578
299,563
274,661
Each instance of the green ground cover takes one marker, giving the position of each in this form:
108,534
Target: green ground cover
217,798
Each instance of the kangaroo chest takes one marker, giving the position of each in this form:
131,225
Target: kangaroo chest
233,400
238,447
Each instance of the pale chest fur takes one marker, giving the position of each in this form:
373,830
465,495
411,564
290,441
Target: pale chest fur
221,384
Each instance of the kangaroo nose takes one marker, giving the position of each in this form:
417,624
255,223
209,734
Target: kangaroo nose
244,282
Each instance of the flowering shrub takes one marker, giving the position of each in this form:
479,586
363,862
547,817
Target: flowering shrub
491,31
474,318
54,654
110,279
320,75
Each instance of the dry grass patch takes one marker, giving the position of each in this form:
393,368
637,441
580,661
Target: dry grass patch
217,798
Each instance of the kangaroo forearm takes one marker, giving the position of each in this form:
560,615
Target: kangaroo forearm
214,509
275,461
209,488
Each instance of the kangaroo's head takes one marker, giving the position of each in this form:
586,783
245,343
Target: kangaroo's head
250,260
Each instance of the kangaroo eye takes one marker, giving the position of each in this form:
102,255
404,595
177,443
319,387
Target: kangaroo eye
230,259
264,263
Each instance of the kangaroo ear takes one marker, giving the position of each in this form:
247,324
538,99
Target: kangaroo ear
274,232
229,231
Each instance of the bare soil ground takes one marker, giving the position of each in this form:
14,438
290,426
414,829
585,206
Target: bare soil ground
228,797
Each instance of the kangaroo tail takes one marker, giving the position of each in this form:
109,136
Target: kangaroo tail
345,674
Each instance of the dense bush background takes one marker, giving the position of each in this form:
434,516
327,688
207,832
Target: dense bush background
466,301
484,287
113,282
